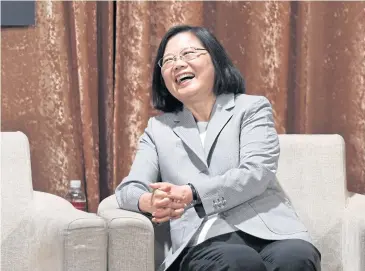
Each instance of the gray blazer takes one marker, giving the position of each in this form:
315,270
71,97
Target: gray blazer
233,173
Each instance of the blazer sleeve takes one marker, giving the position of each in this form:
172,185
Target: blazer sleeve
259,154
144,170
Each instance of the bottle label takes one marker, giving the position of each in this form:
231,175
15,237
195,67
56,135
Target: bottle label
80,205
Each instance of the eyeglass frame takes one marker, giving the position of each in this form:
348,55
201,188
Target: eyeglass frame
175,57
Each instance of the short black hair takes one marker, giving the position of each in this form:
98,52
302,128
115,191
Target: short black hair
227,79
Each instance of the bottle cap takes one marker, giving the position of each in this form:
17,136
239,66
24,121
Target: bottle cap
75,183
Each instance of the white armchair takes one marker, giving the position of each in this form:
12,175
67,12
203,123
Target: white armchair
311,171
41,231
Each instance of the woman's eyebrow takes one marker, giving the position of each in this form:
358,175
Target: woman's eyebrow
169,54
182,49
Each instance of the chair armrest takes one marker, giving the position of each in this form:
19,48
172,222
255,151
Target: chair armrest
82,236
53,235
131,238
353,249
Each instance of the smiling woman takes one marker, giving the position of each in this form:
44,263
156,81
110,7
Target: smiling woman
194,50
208,165
190,80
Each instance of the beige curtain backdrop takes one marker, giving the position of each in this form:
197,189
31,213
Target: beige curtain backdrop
78,82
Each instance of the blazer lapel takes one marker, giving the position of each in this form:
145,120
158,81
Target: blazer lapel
186,129
219,117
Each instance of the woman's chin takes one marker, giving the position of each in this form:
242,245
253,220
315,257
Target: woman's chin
187,88
186,92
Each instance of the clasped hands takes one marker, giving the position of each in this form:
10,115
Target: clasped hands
168,201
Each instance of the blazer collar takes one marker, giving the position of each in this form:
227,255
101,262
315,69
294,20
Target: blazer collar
185,126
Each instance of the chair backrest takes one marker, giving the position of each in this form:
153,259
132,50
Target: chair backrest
312,173
16,180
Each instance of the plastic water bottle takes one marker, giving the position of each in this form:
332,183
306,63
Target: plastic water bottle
76,196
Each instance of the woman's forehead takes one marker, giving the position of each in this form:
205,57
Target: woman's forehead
180,42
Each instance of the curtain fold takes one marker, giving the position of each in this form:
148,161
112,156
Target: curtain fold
78,82
106,70
131,82
83,19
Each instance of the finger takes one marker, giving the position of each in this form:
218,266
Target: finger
160,198
175,197
161,212
162,186
160,220
177,205
159,194
156,185
161,203
177,213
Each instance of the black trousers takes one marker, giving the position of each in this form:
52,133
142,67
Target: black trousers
241,251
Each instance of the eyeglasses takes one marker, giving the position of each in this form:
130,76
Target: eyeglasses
185,54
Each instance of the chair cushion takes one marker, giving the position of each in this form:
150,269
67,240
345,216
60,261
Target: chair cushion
312,173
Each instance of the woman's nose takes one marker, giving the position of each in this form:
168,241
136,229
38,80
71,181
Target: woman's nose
179,64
